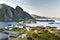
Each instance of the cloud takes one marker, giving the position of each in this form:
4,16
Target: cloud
12,3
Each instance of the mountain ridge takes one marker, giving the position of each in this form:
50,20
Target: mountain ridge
8,13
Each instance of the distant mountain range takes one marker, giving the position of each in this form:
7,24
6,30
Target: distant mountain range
8,13
36,16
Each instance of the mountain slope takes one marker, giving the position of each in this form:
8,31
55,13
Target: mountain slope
8,13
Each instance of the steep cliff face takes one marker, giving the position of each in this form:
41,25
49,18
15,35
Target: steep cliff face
9,13
6,12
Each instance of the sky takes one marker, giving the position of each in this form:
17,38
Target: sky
48,8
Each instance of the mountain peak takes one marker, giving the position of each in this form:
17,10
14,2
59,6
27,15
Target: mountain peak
9,13
2,5
17,7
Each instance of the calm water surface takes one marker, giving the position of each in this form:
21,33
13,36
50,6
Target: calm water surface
5,24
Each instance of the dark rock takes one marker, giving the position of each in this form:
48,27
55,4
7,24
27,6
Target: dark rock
8,13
